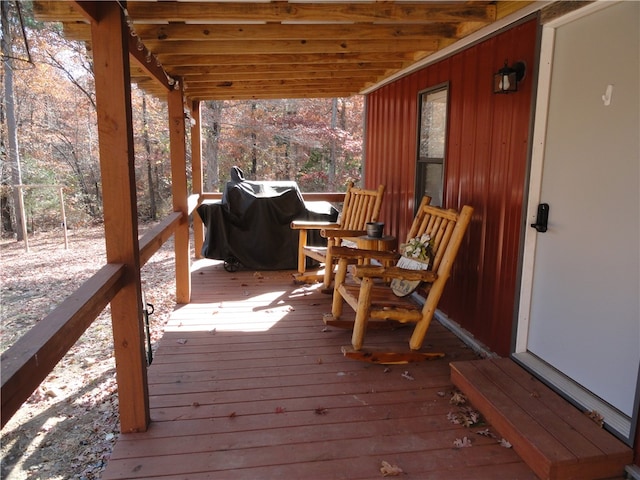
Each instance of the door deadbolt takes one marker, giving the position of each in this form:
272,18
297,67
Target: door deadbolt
542,218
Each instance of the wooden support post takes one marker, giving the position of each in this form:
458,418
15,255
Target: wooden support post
115,130
177,134
196,174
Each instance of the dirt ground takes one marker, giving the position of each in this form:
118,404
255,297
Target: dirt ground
69,425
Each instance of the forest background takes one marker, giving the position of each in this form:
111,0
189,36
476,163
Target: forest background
315,142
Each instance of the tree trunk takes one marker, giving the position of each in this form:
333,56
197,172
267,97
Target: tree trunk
13,154
334,147
153,210
254,139
6,213
212,146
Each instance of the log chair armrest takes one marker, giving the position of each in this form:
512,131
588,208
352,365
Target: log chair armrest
311,225
362,254
339,233
395,272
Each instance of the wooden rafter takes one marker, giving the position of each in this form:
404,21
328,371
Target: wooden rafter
281,49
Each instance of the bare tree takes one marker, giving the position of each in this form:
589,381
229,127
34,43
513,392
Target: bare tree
90,94
212,145
333,146
153,210
13,154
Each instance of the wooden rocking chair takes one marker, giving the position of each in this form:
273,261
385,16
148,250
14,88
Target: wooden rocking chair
388,300
360,206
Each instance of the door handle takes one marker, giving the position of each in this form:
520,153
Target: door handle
542,218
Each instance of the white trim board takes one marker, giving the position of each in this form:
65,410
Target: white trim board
618,423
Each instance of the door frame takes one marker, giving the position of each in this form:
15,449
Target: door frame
617,423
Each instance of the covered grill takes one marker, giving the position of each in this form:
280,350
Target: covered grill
250,226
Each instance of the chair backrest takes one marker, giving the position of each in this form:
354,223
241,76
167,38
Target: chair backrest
440,225
360,206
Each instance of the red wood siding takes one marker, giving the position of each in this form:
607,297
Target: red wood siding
486,164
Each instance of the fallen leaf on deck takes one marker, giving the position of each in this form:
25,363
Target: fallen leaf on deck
458,398
504,443
486,433
407,375
596,417
181,341
463,442
232,415
280,410
321,411
388,470
466,417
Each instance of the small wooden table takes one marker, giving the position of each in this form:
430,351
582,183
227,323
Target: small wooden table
386,242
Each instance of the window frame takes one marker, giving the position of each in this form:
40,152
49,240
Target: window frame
422,163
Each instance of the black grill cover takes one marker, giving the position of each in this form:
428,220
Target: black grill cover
251,224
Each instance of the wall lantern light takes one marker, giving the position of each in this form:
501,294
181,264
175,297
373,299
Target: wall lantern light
507,78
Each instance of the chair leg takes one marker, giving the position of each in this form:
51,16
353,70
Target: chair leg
328,267
302,259
341,274
428,310
362,313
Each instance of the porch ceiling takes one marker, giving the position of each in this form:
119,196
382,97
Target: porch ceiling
283,49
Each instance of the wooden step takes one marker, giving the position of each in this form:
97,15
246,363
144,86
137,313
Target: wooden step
553,437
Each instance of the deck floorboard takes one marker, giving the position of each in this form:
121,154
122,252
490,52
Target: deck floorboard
248,383
550,434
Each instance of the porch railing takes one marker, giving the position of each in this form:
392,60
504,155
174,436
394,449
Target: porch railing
26,364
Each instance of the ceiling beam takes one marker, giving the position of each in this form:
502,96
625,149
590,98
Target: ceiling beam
274,47
347,69
299,59
255,49
270,95
377,12
325,75
147,62
208,32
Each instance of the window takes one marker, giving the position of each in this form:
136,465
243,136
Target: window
432,133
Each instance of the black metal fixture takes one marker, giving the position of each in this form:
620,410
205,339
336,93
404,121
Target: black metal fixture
507,78
542,219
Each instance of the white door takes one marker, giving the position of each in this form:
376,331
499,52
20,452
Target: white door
579,319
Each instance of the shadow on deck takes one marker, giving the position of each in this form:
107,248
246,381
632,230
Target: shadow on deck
248,383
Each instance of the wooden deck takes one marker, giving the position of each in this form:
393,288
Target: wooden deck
555,439
247,383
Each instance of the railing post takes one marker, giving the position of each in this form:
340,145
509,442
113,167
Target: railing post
177,138
115,131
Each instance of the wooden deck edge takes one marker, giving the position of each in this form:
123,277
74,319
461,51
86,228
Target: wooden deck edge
540,450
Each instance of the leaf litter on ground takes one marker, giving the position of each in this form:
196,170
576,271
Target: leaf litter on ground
68,427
